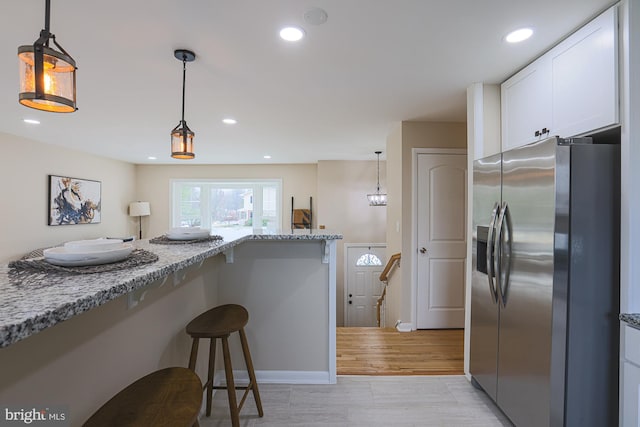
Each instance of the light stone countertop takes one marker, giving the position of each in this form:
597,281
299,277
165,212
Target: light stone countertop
632,319
41,300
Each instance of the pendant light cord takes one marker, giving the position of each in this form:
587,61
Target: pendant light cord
184,78
47,14
378,171
45,34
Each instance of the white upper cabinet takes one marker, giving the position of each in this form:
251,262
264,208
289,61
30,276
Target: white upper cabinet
584,71
526,110
571,90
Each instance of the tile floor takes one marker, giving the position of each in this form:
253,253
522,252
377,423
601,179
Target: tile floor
439,401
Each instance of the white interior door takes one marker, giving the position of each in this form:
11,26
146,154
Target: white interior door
363,267
441,240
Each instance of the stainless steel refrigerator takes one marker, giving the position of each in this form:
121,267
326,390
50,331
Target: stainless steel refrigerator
545,282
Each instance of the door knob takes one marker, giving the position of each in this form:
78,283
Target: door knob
423,250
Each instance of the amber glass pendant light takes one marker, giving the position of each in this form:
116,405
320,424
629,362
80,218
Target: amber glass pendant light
47,76
181,135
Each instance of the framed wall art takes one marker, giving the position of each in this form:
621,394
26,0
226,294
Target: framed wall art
73,200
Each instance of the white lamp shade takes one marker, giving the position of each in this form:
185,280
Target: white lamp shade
139,209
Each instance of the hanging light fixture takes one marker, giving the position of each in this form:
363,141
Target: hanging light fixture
377,198
47,77
181,135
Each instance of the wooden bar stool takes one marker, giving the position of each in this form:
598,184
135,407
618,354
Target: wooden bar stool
220,322
169,397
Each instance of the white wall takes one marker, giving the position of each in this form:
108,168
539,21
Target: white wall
629,114
394,223
24,168
343,206
284,286
483,121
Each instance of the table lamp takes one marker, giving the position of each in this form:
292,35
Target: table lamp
139,209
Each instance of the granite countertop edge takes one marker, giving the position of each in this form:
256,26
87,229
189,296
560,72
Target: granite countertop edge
632,319
11,332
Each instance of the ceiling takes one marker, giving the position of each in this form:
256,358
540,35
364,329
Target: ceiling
335,95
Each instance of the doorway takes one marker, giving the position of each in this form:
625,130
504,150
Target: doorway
363,264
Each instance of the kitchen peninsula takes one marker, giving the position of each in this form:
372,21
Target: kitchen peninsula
76,340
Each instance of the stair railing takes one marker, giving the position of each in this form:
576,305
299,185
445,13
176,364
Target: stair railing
394,260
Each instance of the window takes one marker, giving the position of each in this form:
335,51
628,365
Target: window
367,260
235,208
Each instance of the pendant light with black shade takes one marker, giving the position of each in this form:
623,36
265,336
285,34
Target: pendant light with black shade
47,76
181,135
377,198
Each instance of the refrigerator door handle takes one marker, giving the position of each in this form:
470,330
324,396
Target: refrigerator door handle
497,251
491,271
503,245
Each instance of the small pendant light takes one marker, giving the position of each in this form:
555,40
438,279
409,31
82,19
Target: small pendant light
47,77
181,135
377,198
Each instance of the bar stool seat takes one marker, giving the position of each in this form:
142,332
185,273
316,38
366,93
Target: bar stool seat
169,397
219,323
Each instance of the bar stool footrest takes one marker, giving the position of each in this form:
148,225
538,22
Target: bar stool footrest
246,389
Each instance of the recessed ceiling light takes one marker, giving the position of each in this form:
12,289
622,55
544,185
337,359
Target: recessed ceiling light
292,34
519,35
31,121
266,156
152,158
229,121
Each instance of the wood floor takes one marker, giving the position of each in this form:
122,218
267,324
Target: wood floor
385,351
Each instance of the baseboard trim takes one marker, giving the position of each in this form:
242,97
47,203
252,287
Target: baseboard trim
276,377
